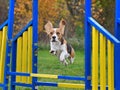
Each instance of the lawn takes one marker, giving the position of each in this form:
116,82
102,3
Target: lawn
49,64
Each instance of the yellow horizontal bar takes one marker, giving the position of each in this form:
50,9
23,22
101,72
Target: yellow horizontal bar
44,75
71,85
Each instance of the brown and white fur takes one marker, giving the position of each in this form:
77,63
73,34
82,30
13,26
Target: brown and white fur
58,45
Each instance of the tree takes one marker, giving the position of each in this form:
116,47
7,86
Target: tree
48,10
108,14
23,14
52,10
3,10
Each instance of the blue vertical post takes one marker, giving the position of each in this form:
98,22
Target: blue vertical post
87,45
117,47
9,38
117,66
35,41
117,16
13,64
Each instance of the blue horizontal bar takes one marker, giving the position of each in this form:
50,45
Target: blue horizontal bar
102,30
59,76
18,74
2,85
71,78
4,24
118,20
22,31
22,84
46,84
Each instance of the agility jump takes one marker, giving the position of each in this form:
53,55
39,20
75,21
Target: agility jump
5,47
24,69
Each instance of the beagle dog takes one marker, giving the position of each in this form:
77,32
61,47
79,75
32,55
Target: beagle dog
58,44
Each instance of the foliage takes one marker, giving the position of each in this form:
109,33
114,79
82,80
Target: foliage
71,10
23,14
48,10
79,31
97,11
109,14
3,10
53,11
103,12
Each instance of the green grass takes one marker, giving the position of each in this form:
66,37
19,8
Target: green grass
50,64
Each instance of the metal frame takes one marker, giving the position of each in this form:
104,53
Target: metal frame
117,46
34,23
89,21
35,42
22,31
87,45
8,22
4,24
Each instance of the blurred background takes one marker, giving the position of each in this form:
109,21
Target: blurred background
54,10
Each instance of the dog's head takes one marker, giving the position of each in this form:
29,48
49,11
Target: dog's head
55,34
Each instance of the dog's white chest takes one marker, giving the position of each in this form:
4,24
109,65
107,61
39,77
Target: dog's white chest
56,46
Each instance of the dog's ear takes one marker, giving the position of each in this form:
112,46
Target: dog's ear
48,27
62,26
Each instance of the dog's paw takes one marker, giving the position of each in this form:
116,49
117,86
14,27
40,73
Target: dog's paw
64,62
52,52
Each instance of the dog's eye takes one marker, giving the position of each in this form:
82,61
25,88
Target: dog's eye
51,33
58,33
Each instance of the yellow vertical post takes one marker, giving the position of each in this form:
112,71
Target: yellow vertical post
30,53
110,66
102,62
19,58
3,53
0,50
0,40
94,59
24,56
113,64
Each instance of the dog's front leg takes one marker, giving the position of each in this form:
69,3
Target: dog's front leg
52,49
62,58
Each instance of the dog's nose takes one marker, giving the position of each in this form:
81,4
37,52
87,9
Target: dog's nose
54,37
